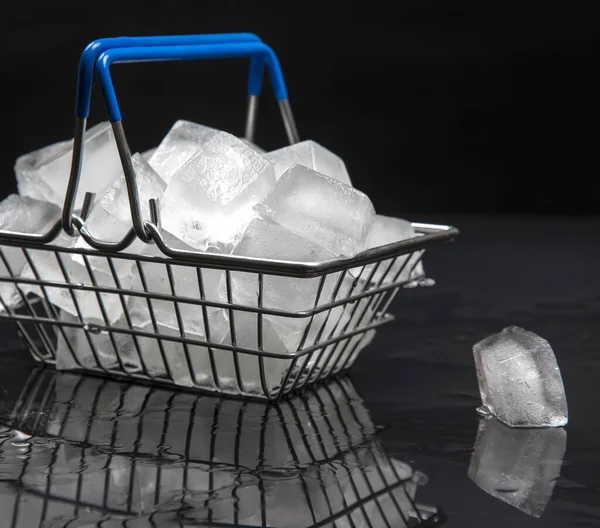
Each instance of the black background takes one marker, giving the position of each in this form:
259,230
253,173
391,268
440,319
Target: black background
436,106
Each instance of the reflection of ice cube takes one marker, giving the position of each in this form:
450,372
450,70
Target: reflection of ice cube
387,230
519,379
331,213
518,466
264,239
20,214
311,155
178,146
44,174
208,201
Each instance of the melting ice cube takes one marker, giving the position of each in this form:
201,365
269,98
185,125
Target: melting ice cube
209,201
178,146
311,155
331,213
20,214
387,230
519,379
518,466
44,173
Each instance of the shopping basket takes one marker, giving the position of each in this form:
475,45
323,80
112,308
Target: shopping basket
119,454
351,295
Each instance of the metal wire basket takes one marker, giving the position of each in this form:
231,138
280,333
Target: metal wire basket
106,453
350,295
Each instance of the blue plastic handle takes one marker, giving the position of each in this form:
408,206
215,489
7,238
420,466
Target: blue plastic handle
257,50
95,48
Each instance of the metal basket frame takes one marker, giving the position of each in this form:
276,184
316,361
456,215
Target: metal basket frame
365,302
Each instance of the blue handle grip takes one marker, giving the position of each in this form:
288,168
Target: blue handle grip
257,50
95,48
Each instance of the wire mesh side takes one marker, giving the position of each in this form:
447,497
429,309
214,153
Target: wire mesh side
231,332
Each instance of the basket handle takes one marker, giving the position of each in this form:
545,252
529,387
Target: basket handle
95,48
257,50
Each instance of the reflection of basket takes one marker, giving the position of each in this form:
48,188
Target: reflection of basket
109,450
349,295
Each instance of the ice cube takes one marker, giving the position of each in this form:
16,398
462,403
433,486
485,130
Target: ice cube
311,155
518,466
110,218
208,202
387,230
331,213
188,283
147,154
115,200
519,379
245,325
178,146
44,173
265,239
61,268
91,346
20,214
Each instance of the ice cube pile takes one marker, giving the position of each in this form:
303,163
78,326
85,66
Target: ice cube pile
219,194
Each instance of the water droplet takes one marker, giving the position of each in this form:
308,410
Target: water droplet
93,329
484,410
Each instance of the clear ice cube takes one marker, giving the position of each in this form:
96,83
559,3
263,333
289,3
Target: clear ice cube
311,155
518,466
188,283
91,346
331,213
178,146
265,239
20,214
208,202
387,230
519,379
115,200
44,173
245,326
63,268
110,218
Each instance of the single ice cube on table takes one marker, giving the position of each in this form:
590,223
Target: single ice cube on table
311,155
519,379
208,202
518,466
322,209
178,146
20,214
387,230
44,174
265,239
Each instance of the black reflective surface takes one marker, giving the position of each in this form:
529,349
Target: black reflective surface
397,443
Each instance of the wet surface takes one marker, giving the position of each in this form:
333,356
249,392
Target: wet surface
397,443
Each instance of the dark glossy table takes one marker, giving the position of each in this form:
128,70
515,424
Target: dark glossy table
395,445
